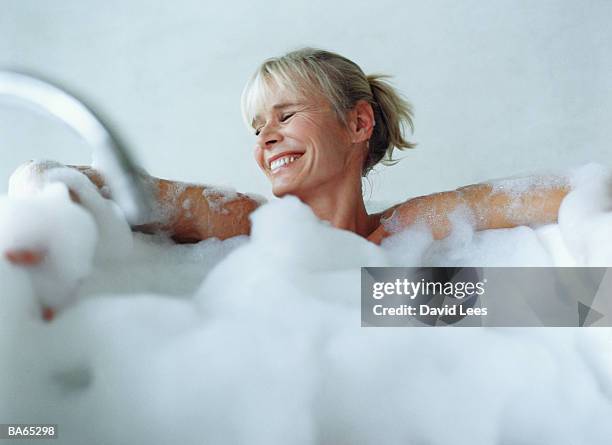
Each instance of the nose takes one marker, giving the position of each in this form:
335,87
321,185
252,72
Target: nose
269,136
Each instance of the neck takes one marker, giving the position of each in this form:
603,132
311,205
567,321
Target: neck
341,203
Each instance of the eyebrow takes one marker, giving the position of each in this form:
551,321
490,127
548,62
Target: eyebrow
279,106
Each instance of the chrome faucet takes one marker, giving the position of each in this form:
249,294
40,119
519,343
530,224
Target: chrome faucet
110,156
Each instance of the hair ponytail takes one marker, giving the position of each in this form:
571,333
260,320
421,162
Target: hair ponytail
393,115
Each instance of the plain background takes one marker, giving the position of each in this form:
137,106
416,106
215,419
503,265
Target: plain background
499,88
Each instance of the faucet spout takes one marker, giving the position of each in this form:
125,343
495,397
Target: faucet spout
109,155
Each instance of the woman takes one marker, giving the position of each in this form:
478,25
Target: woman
321,125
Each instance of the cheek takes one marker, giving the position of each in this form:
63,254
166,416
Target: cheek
259,157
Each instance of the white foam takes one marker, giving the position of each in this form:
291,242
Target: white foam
218,196
519,184
515,187
258,340
65,233
113,230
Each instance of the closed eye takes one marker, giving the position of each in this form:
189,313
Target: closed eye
286,117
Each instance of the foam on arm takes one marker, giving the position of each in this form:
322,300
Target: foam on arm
497,204
193,212
506,203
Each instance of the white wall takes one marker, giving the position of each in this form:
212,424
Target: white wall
498,87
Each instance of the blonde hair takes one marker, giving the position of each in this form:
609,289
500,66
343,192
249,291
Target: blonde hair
343,83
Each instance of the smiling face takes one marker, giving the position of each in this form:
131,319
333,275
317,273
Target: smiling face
302,146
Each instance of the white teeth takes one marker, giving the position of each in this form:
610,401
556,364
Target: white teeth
278,163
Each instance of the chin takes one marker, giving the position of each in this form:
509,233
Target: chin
283,190
279,192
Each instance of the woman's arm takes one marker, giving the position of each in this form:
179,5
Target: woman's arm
186,212
497,205
190,212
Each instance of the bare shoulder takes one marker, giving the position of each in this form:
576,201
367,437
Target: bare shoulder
432,210
391,220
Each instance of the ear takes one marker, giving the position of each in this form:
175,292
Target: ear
361,121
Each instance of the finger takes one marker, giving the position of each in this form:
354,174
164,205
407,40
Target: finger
25,257
74,196
48,313
378,235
